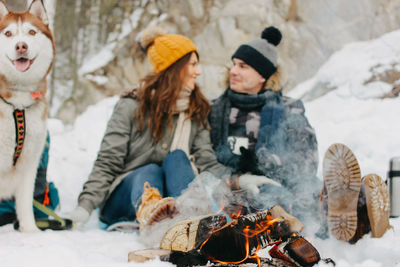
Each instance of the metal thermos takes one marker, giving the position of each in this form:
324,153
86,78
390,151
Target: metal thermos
394,186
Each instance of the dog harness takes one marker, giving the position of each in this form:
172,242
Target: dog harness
20,127
19,119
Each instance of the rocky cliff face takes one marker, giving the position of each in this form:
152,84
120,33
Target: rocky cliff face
312,31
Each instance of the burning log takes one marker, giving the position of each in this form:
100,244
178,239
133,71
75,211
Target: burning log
239,240
243,237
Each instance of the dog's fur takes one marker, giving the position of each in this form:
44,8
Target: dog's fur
27,37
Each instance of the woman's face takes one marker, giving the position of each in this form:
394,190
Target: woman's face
191,71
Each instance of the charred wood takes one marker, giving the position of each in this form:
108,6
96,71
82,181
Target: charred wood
240,239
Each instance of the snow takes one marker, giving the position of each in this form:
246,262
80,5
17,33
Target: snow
353,113
350,114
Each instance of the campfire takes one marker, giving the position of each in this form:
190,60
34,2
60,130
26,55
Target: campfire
242,238
236,244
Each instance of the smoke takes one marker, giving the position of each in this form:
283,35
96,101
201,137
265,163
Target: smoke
207,194
289,155
195,202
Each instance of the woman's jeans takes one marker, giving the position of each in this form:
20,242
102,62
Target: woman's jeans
170,179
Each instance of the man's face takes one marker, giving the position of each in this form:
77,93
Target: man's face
244,79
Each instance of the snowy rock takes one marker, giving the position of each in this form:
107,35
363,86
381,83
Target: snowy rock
312,31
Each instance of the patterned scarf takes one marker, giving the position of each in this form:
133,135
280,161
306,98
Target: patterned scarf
272,111
271,115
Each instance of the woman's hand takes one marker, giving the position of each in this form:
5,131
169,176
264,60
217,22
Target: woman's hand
79,216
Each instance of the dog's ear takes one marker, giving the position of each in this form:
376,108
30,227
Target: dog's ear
37,9
3,10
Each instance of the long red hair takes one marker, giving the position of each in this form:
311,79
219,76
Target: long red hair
157,95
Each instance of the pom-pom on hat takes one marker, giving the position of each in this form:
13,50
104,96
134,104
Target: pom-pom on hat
164,49
261,54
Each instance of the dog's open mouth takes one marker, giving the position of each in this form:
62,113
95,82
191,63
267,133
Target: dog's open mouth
22,64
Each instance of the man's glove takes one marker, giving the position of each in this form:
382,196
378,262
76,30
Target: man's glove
247,162
79,216
252,183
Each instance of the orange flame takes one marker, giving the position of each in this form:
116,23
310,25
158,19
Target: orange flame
237,213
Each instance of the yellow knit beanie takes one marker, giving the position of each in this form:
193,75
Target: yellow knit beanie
164,49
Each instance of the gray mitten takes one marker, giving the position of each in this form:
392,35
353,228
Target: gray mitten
79,216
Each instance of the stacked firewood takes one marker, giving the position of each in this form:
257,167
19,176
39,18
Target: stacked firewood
233,244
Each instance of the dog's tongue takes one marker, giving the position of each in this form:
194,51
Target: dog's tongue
22,65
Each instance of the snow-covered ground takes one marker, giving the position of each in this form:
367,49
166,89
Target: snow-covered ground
350,114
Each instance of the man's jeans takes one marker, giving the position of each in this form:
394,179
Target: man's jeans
170,179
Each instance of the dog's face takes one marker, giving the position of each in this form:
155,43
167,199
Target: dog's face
26,45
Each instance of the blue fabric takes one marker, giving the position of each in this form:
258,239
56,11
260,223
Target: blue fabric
178,173
9,206
170,179
41,175
271,135
120,206
54,201
273,112
44,160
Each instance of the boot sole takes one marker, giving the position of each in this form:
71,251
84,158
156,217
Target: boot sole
190,234
166,208
342,178
378,204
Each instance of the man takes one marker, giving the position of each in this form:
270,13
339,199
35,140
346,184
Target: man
263,135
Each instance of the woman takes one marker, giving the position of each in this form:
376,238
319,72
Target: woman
155,142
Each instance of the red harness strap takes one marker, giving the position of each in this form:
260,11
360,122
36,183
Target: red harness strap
46,199
19,118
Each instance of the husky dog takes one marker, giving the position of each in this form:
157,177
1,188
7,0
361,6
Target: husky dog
27,53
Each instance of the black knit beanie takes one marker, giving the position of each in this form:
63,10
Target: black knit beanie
261,54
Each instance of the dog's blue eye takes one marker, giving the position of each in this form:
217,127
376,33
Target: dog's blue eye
32,32
8,34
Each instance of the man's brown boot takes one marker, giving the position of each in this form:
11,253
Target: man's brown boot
343,187
378,204
363,226
373,208
342,179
